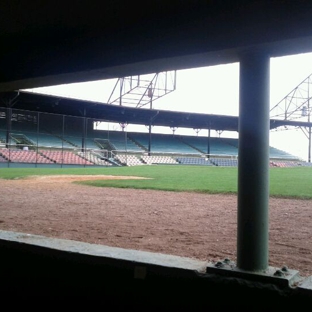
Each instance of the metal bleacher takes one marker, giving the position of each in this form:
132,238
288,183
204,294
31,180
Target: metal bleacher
279,154
200,161
65,157
224,162
23,156
163,143
218,146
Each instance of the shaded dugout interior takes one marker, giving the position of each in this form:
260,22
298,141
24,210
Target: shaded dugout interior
44,44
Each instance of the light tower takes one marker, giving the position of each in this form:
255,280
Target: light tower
137,91
296,106
142,90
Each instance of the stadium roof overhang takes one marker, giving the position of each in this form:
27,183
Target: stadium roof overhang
98,111
35,102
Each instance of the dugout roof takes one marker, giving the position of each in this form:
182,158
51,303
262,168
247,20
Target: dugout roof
46,44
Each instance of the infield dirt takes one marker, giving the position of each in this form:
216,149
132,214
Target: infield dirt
200,226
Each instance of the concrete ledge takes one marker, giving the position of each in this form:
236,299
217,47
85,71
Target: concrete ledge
306,286
133,257
59,270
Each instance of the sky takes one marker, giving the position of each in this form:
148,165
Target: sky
210,90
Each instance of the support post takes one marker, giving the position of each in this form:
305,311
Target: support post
309,130
150,95
149,138
253,162
84,131
208,144
309,147
9,127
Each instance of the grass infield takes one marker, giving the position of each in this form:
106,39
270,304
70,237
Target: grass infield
284,182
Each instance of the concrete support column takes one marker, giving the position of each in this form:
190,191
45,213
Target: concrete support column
253,162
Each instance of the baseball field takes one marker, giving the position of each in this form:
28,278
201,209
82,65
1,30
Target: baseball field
181,210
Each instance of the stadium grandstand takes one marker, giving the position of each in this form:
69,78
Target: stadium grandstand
45,139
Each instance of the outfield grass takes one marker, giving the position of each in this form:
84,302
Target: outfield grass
284,182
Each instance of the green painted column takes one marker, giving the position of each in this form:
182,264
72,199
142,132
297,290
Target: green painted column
253,162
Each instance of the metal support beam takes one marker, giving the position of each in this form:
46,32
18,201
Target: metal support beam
9,127
310,132
253,162
208,144
309,145
150,126
84,131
